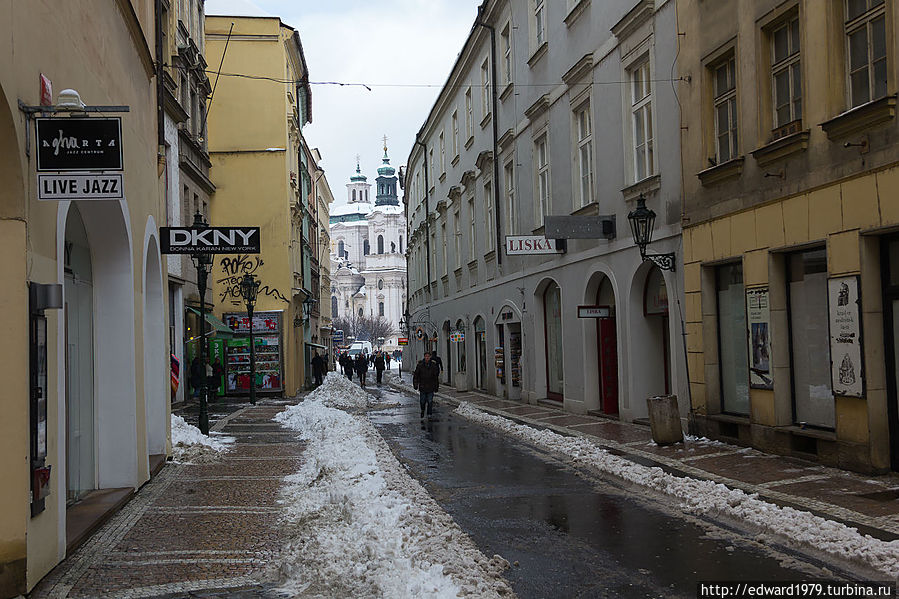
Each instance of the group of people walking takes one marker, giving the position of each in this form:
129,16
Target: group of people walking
362,362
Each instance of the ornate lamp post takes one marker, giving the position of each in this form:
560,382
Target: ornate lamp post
249,289
642,220
203,264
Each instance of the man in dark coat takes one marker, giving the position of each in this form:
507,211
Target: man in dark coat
347,364
197,374
426,379
387,359
318,368
436,359
361,368
379,365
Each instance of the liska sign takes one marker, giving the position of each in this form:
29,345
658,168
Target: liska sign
209,240
518,245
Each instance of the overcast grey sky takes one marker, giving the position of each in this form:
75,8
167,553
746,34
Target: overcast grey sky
396,47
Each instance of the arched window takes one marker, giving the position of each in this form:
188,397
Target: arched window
333,306
380,244
552,321
360,313
354,195
401,244
365,247
460,347
392,247
380,283
380,308
340,249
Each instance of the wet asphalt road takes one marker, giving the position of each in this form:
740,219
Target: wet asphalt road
571,535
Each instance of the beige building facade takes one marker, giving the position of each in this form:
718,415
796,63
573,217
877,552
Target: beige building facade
790,167
87,386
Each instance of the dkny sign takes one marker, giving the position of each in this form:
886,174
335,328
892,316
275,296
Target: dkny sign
79,144
209,240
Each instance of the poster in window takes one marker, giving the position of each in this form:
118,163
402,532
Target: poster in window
758,319
844,308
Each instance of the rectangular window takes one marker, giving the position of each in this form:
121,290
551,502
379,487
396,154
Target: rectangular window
443,248
380,308
509,176
725,110
866,50
431,172
813,401
733,353
468,114
471,229
584,133
488,212
541,191
455,133
433,248
641,116
786,77
457,237
506,48
540,21
442,153
485,88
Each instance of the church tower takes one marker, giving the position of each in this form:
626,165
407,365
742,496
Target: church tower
358,187
386,182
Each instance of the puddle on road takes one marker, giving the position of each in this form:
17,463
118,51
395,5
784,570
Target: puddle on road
570,536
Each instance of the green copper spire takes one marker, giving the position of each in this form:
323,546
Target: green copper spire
358,177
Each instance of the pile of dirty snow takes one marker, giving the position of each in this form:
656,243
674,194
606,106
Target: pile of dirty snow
362,527
710,498
340,392
190,445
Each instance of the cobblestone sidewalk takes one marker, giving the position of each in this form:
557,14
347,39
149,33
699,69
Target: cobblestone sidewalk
869,503
196,530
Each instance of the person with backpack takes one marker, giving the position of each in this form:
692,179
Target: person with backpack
361,365
426,379
379,366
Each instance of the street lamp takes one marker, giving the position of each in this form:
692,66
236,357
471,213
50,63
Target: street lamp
642,220
380,342
249,289
203,263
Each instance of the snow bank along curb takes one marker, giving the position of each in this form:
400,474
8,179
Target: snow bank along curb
711,498
361,525
189,444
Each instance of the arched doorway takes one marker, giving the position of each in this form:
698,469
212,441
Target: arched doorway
80,425
480,344
655,311
460,356
602,347
155,372
448,367
552,325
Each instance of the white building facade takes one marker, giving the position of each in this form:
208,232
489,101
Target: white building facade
368,272
570,114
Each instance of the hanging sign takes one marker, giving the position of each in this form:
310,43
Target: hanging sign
457,336
845,336
80,186
79,144
419,333
520,245
402,341
758,319
337,336
593,312
263,322
209,240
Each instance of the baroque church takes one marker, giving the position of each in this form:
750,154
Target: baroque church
368,276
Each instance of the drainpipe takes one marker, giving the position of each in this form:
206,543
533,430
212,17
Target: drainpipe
160,98
496,197
427,213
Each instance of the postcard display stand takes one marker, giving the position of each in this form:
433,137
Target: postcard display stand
267,339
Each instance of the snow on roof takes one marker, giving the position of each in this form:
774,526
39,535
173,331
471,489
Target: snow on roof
387,209
346,209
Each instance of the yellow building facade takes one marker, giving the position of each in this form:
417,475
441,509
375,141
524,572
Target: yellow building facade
791,172
95,370
255,137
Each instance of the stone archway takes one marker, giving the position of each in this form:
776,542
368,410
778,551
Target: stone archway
649,338
156,391
602,347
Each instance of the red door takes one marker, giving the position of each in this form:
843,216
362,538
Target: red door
608,364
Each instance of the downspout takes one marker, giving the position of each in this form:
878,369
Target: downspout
160,98
427,213
496,197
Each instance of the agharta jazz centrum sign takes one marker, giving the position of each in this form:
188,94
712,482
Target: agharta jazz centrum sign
79,144
209,240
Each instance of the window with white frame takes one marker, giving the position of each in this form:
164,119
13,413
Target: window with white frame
442,153
866,50
725,89
455,133
457,237
583,126
432,249
443,247
540,22
786,76
431,170
472,231
468,114
485,88
506,48
541,170
488,212
509,179
641,119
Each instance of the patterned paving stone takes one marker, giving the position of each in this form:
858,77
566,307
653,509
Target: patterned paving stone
248,467
186,491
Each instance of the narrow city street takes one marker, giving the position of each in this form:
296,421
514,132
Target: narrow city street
568,533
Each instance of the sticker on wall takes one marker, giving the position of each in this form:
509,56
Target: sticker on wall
846,367
758,319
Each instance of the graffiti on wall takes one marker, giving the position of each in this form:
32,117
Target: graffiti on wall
233,269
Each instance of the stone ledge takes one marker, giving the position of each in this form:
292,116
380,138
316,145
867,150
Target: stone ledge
781,148
860,118
722,172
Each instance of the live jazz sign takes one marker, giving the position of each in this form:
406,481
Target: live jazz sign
209,240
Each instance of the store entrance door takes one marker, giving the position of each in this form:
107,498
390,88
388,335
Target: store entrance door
608,363
890,271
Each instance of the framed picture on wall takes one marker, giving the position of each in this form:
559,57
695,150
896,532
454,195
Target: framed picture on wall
758,319
846,362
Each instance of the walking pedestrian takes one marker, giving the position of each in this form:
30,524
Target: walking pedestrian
347,364
218,373
318,367
426,379
379,366
361,368
436,359
197,372
387,359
